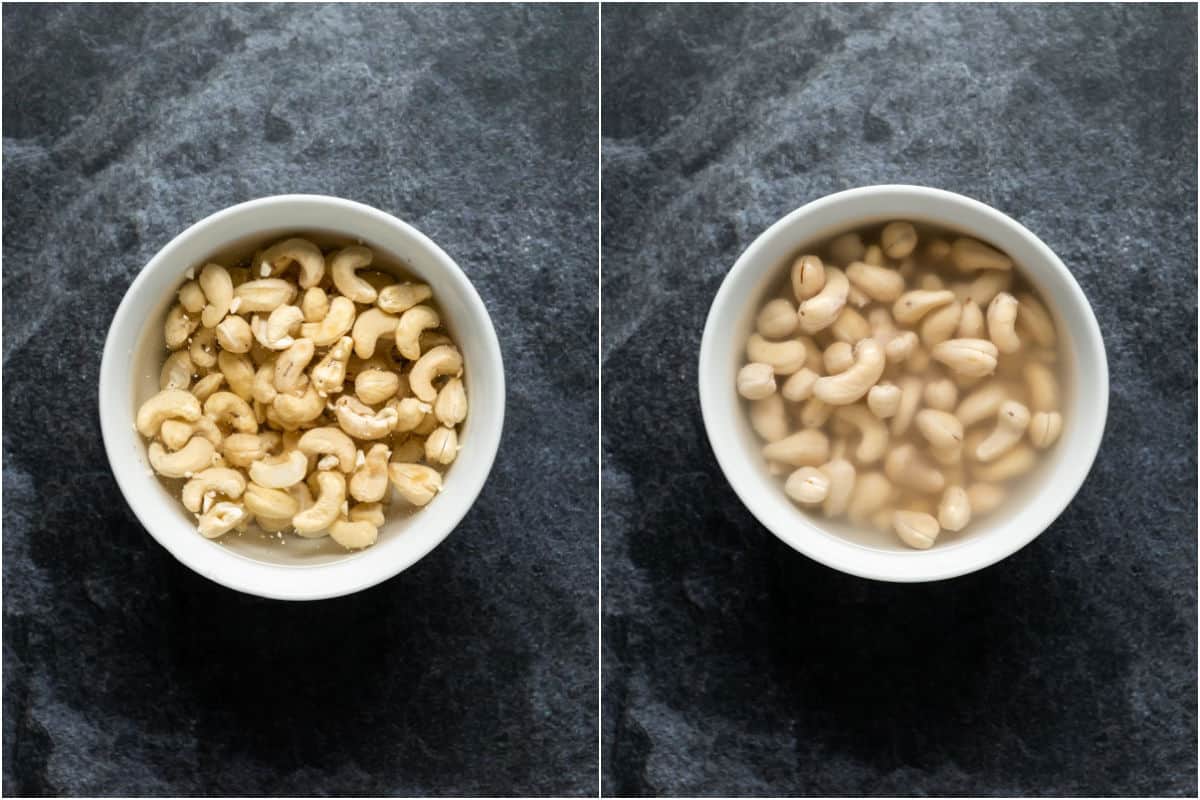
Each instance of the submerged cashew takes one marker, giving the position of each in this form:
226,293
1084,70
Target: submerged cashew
776,319
376,385
281,471
954,512
408,330
234,334
289,367
239,373
441,446
283,322
345,263
327,506
270,503
371,326
873,434
986,287
808,486
361,421
218,291
808,277
369,482
167,404
872,491
940,325
838,357
982,403
910,401
242,449
294,409
941,394
785,357
353,535
916,529
768,418
878,283
416,483
970,324
230,409
264,295
1001,323
822,309
884,400
912,306
851,385
451,405
339,319
798,387
973,358
1035,321
850,326
178,327
1044,429
815,412
846,248
203,350
1043,387
904,466
176,371
329,441
399,297
898,239
368,512
901,347
220,520
411,413
1011,421
970,255
437,362
801,449
1017,461
191,297
218,480
279,257
841,474
196,455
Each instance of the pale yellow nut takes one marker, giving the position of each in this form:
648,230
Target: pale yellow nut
1017,461
167,404
264,295
375,385
808,277
196,455
878,283
910,401
368,512
842,475
288,375
1001,323
176,371
850,326
873,255
970,255
798,387
1044,429
982,403
941,394
872,432
441,446
208,385
898,239
847,248
361,421
884,400
330,374
940,325
954,511
264,390
812,359
218,292
985,497
776,319
970,324
416,483
822,309
344,264
801,449
768,418
815,412
314,304
427,425
808,486
936,251
910,307
238,371
905,467
219,480
931,282
1034,320
178,327
399,297
855,298
329,440
293,409
986,287
270,503
1012,419
369,481
450,408
872,491
337,322
278,257
412,324
851,385
410,449
175,433
241,449
281,471
371,326
353,535
191,297
411,413
326,508
916,529
281,327
900,347
941,429
1042,386
970,357
203,349
229,409
220,520
438,362
785,357
838,357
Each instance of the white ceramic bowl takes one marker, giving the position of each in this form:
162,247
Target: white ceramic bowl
299,569
1028,512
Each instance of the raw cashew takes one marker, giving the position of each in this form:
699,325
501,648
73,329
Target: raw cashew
333,326
220,520
408,330
1044,428
985,497
987,286
879,283
1043,387
954,512
210,383
904,466
916,529
911,306
176,371
936,251
264,383
856,298
776,319
974,358
283,322
361,421
872,491
178,327
970,255
411,413
368,512
329,375
369,482
1001,323
898,239
175,433
242,449
941,394
294,409
873,255
346,263
1035,321
798,387
815,412
838,357
822,309
808,277
873,433
264,295
399,297
326,508
441,446
451,405
941,429
416,483
270,503
1011,421
314,304
884,400
410,449
192,298
808,486
970,324
228,408
353,535
1017,461
910,400
850,326
785,357
841,474
279,257
813,359
849,386
901,347
202,349
167,404
940,325
281,471
215,480
218,292
376,385
239,373
439,361
371,326
984,402
846,248
801,449
768,418
289,367
233,334
332,441
931,282
196,455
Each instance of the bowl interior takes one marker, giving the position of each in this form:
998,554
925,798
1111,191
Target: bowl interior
253,562
1033,502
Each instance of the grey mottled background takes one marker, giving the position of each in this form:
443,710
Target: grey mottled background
734,665
474,671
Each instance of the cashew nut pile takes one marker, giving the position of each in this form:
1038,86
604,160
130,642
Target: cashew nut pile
906,387
297,389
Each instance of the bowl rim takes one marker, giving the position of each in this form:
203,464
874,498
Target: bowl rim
280,581
837,552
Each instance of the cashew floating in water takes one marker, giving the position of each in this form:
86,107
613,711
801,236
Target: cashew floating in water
898,239
437,362
768,418
399,297
178,327
970,255
217,480
901,347
416,483
838,357
371,326
884,400
841,474
985,497
327,506
1035,321
846,248
803,448
872,491
970,324
196,455
1044,429
940,325
970,357
850,326
281,471
343,268
441,446
353,535
218,292
916,529
987,286
822,309
1017,461
808,277
849,386
192,298
369,482
878,283
264,295
167,404
873,433
176,371
1042,386
912,306
1012,419
910,401
776,319
798,387
279,257
905,467
954,512
330,441
984,402
1001,323
220,520
807,485
941,394
941,429
368,512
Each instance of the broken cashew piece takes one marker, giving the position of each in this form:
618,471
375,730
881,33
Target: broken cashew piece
361,421
808,486
220,519
353,534
330,374
954,512
1044,428
369,482
178,327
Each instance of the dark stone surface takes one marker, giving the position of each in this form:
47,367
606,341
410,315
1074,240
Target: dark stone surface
734,665
474,671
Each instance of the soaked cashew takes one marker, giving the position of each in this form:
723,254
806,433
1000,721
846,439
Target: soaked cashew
369,482
808,277
218,292
1042,386
916,529
785,357
878,283
451,405
220,520
361,421
981,404
931,282
234,335
884,400
437,362
1034,320
873,434
371,326
281,471
203,350
798,387
416,483
368,512
289,369
905,467
412,324
278,257
345,263
941,429
801,449
227,408
1044,429
851,385
1017,461
841,474
1012,419
176,371
910,307
776,319
846,248
441,446
850,326
970,357
873,255
264,390
411,414
838,357
910,401
329,441
986,287
242,449
954,511
807,485
239,373
901,347
872,491
315,304
399,297
327,506
178,327
940,325
941,394
338,320
269,503
330,374
970,255
898,239
376,385
264,295
167,404
985,498
856,298
196,455
353,535
1001,323
768,418
215,480
192,298
822,309
970,324
293,409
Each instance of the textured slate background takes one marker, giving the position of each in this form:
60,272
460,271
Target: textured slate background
473,672
735,665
